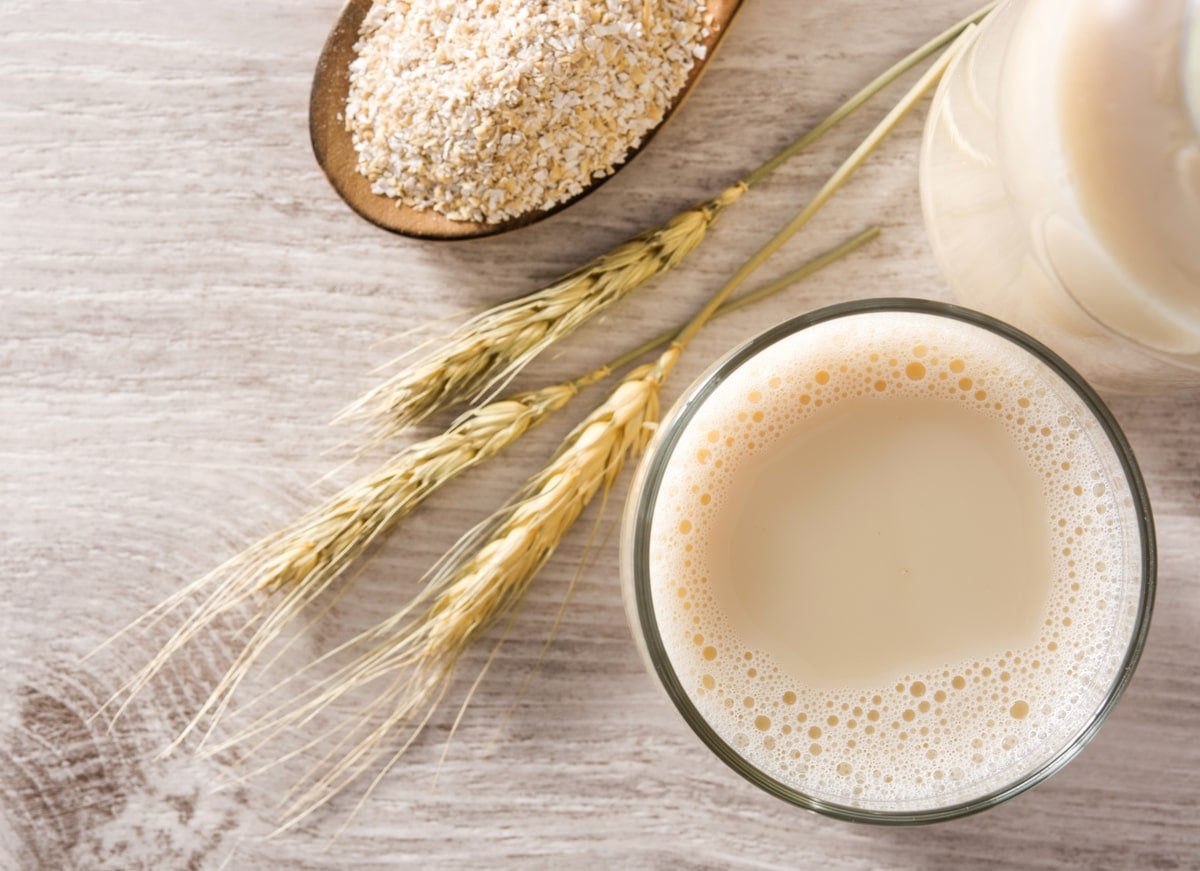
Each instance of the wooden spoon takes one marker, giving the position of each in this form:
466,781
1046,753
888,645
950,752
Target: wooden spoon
334,147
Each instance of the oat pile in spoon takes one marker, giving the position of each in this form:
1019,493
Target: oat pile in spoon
484,110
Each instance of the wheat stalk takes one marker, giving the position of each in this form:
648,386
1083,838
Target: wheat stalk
487,572
467,592
482,355
300,562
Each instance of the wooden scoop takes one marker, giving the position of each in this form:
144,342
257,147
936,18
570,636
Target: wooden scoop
334,146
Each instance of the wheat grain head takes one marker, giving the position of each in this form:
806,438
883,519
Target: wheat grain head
295,565
477,584
483,354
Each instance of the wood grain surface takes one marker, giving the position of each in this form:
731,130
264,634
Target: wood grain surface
184,303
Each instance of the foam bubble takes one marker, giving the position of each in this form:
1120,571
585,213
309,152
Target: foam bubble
945,734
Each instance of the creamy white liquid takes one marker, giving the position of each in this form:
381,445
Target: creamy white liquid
1060,180
893,561
1133,156
885,534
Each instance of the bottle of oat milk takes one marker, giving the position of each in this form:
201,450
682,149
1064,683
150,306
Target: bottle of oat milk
1060,180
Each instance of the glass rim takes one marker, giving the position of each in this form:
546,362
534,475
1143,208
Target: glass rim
650,477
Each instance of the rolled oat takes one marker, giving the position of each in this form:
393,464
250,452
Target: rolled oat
484,110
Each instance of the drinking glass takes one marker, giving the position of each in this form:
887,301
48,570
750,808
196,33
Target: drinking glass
1136,572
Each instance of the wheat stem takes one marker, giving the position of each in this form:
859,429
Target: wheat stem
882,130
880,82
784,281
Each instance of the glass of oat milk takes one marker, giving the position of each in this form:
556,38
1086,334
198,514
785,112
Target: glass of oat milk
892,561
1060,180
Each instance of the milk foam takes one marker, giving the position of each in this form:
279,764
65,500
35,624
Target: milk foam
940,736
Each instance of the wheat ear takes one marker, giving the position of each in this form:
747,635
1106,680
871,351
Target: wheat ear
298,563
483,354
468,593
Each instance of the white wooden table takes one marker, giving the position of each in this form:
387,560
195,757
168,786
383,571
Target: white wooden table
183,305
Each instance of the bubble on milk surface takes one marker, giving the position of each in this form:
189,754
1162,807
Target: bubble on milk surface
925,739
